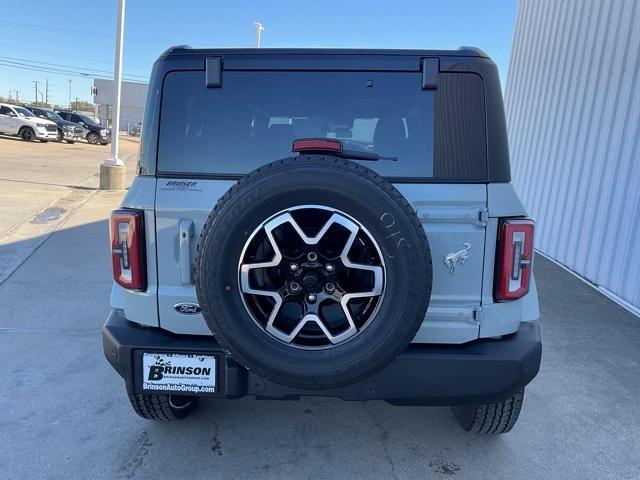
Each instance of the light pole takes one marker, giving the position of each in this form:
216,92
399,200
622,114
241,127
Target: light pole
259,29
112,171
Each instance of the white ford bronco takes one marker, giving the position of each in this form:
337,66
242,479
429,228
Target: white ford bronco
324,222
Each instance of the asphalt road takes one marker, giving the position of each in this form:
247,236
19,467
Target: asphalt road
65,413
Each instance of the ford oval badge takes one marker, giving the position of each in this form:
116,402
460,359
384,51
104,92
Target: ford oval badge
187,308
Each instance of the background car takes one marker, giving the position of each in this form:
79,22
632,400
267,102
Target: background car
95,133
69,131
15,120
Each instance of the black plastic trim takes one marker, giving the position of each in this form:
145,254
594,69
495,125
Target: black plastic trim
483,371
213,67
430,68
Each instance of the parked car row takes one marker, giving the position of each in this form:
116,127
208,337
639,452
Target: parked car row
44,124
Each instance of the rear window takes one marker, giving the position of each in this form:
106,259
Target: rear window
255,116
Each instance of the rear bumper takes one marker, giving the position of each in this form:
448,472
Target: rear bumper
484,371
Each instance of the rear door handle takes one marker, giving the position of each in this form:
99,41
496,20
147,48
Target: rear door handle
184,252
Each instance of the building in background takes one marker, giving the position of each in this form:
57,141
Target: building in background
132,102
573,113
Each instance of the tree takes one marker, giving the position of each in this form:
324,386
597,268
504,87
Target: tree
82,106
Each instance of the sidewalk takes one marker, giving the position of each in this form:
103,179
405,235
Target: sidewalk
65,413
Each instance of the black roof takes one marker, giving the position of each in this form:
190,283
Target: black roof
460,52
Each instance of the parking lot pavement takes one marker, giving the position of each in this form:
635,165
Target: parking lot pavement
65,413
34,174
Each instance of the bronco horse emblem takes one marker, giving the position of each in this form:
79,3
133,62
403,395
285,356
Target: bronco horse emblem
461,256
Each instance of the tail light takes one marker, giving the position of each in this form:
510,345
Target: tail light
127,249
514,259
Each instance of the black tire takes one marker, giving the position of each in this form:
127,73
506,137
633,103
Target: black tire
335,183
163,407
27,134
44,141
60,136
492,418
93,138
70,142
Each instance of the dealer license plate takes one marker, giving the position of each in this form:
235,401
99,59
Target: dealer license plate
178,372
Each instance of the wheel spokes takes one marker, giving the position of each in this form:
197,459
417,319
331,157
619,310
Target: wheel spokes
310,313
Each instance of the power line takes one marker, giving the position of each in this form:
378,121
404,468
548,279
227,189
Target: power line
58,71
65,55
134,38
17,60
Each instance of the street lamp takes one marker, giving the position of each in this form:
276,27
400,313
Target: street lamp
112,171
259,29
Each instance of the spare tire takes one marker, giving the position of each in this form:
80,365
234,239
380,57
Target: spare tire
313,271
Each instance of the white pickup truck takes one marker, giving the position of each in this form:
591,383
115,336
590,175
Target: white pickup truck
15,120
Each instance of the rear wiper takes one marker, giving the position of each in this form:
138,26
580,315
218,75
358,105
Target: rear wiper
358,155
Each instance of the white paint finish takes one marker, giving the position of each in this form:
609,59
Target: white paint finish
573,114
141,307
453,297
502,201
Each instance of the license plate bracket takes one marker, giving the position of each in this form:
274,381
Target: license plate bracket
178,373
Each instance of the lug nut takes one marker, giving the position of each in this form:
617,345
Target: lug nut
329,287
312,257
294,287
293,267
329,267
311,298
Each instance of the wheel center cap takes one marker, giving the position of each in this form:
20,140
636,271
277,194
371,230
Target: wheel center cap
310,280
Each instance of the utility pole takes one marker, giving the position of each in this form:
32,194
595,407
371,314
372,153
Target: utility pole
259,29
46,91
36,90
112,171
17,96
69,94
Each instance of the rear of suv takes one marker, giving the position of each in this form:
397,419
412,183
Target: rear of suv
327,223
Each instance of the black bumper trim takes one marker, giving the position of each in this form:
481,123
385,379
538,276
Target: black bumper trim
479,372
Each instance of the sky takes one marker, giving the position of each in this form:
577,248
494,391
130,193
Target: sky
79,38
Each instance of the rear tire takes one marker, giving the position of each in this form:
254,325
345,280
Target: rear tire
71,142
163,407
27,134
491,418
44,141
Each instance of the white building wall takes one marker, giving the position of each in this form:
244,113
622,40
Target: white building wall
573,113
133,96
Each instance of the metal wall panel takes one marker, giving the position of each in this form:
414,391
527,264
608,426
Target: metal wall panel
572,102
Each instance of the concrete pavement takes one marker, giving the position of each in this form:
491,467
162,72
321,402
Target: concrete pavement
65,413
41,185
34,174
